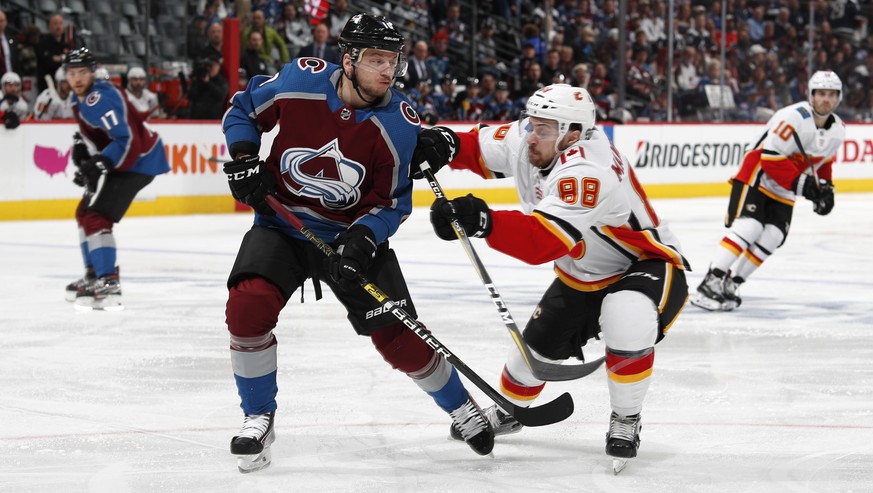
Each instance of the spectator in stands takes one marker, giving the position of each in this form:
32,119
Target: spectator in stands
196,36
521,65
250,58
53,46
9,61
469,103
319,47
455,27
216,10
486,45
756,24
551,67
421,97
500,108
698,35
418,69
410,16
208,93
272,40
602,102
531,80
294,29
27,46
214,47
144,100
530,34
487,86
567,62
580,76
653,23
444,101
13,106
438,61
59,106
337,17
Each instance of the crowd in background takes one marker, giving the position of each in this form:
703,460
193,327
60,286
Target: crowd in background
459,71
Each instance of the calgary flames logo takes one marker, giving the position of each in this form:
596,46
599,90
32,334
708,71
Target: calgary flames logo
323,174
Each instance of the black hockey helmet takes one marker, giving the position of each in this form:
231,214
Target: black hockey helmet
80,57
364,31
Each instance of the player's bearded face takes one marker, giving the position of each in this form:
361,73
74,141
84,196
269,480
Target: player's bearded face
541,139
375,72
80,79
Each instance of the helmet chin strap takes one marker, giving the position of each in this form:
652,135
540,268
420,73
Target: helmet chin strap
354,79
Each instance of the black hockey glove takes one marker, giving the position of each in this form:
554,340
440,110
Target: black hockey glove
356,249
805,185
438,146
472,213
11,119
80,150
825,203
79,179
250,182
94,167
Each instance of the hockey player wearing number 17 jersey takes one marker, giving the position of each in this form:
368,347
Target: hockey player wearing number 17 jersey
620,270
771,178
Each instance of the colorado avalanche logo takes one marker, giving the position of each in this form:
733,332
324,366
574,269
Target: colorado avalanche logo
92,98
323,174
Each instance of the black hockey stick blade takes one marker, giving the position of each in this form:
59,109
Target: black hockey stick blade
548,413
543,370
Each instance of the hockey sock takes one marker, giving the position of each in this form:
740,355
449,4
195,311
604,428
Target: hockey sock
452,394
83,244
101,249
628,373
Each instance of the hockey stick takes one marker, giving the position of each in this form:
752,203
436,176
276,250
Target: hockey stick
551,412
541,369
806,158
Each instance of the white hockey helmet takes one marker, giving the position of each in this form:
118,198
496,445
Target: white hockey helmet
10,78
100,73
60,76
566,105
825,79
136,73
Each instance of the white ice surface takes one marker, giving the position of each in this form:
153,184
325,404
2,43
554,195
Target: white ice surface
777,396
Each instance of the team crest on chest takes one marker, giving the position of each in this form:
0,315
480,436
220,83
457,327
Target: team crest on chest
323,174
345,114
92,98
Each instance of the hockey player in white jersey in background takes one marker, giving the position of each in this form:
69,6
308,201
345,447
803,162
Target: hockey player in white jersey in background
620,270
145,101
57,104
772,176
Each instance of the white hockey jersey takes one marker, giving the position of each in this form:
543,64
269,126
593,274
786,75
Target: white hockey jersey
775,161
590,201
47,107
147,104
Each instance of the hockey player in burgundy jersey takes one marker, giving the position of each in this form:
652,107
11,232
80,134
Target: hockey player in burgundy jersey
340,162
129,156
620,271
772,176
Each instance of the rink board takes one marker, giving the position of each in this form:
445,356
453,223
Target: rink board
678,160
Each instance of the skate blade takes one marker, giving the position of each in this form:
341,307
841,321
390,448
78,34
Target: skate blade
84,304
70,296
252,463
710,304
109,304
618,465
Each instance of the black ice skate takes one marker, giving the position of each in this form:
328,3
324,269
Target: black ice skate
622,439
731,288
501,423
77,287
252,443
103,293
473,427
710,294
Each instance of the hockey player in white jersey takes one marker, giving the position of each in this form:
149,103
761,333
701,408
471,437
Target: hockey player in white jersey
620,270
55,104
145,101
791,158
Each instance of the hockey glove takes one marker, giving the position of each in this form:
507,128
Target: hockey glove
356,249
825,203
438,146
805,185
80,150
11,119
93,168
471,212
250,182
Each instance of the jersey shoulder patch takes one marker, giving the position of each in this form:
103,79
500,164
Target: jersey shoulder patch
803,112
